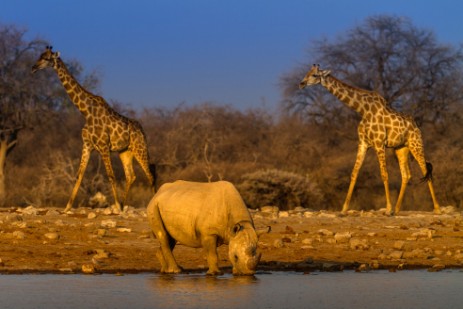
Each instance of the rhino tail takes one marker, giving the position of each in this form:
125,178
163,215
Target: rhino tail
157,226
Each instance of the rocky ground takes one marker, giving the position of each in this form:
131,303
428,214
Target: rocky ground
96,240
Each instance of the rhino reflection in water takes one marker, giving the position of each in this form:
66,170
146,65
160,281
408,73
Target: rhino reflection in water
204,215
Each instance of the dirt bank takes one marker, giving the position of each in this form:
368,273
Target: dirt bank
46,240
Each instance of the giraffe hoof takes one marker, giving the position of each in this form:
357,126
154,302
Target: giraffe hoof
389,213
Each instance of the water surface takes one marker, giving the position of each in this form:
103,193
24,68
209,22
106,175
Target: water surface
377,289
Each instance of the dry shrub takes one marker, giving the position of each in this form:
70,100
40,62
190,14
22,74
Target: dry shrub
279,188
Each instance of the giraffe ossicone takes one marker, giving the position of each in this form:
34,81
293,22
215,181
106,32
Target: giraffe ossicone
381,127
105,131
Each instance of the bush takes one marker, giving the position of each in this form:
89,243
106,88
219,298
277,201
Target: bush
279,188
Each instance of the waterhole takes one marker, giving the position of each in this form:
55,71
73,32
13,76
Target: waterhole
348,289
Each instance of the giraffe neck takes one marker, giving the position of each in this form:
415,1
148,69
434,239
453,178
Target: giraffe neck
78,95
353,97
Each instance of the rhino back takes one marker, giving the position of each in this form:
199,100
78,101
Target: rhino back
190,210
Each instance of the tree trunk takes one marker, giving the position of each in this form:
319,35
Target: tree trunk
5,147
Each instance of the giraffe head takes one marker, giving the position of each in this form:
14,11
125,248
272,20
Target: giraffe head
47,59
314,76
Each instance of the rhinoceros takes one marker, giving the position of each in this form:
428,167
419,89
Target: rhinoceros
204,215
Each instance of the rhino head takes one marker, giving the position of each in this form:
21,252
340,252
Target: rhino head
243,248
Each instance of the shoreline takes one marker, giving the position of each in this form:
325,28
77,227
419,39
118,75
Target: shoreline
47,241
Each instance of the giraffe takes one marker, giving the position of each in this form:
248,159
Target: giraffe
380,128
105,131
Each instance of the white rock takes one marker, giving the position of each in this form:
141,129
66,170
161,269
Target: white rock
19,235
101,232
91,215
278,243
107,211
309,214
283,214
124,230
325,232
357,243
342,237
307,241
59,222
396,255
108,223
424,233
88,269
30,210
52,236
269,209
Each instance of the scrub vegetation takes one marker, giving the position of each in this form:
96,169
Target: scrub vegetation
301,155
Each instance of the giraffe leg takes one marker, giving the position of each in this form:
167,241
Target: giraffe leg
127,158
381,153
143,159
112,179
86,151
361,152
418,154
402,156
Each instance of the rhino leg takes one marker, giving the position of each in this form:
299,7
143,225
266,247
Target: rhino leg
210,246
165,255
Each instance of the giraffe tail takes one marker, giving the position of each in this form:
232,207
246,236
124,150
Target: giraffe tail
428,175
153,173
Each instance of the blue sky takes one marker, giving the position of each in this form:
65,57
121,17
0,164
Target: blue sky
160,53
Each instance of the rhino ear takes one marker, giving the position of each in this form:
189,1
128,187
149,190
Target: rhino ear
236,228
262,231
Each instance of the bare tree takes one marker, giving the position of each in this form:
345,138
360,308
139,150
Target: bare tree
407,65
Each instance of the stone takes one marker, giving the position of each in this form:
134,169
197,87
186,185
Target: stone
107,211
396,255
278,243
124,230
325,232
108,223
19,235
283,214
52,212
327,215
269,209
309,214
357,243
91,215
52,236
424,233
307,241
88,269
30,210
59,222
342,237
101,232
